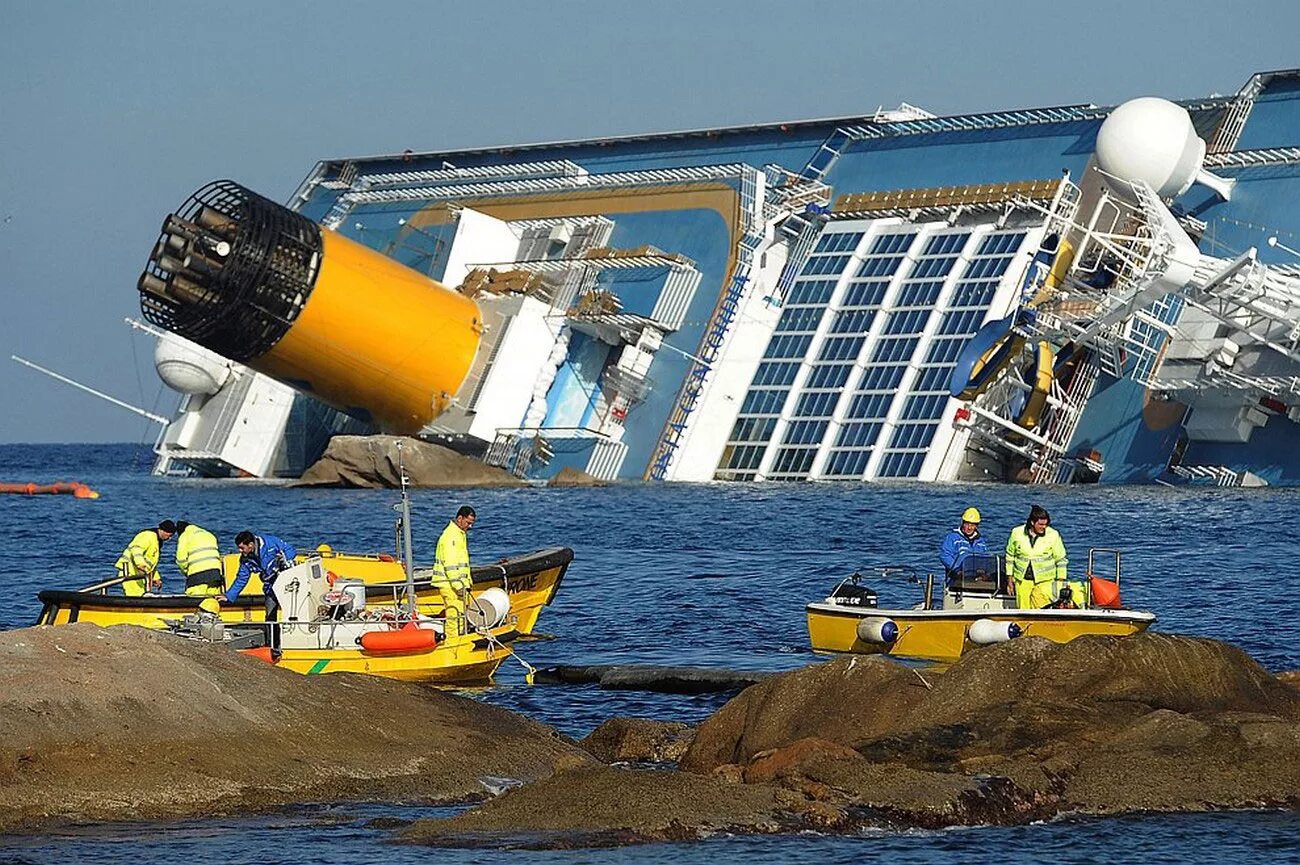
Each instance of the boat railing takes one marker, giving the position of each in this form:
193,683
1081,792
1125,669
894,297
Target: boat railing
1104,555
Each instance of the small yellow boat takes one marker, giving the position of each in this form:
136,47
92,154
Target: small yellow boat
974,611
530,581
325,629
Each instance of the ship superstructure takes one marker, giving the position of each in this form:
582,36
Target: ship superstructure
1045,296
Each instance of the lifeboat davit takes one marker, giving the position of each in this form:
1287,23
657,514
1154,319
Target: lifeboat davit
405,639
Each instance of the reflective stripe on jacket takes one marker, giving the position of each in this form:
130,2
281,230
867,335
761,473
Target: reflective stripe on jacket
451,559
1045,555
140,558
196,551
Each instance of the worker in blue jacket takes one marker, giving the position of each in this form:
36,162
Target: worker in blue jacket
266,556
961,543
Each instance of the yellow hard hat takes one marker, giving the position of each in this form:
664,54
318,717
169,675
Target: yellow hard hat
210,605
970,515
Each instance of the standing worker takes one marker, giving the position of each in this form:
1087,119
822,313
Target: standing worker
266,556
961,543
138,564
1036,560
199,560
451,576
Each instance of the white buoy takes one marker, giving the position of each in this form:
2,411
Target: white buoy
877,629
1154,141
985,632
488,609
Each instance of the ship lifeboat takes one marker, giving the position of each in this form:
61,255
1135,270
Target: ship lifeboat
406,639
986,354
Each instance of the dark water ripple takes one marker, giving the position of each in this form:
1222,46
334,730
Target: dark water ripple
702,575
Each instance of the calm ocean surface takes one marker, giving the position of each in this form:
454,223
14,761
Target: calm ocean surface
699,575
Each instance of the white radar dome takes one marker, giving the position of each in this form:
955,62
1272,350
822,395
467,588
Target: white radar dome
188,368
1151,139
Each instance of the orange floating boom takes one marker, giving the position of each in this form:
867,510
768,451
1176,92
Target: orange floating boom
74,489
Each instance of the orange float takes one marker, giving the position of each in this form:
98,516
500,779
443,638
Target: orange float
1105,593
75,489
408,638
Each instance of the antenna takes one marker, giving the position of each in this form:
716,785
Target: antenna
408,558
90,390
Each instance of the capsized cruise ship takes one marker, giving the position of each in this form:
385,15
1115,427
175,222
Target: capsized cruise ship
1048,295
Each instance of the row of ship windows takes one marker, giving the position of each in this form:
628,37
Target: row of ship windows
859,308
884,370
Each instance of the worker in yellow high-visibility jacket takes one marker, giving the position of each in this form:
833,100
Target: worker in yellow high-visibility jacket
1036,561
451,575
199,560
138,564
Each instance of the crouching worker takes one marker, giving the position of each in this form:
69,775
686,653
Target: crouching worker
1036,561
451,574
199,560
266,556
138,565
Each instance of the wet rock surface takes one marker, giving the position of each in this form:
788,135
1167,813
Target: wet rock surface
372,462
571,477
638,740
1013,733
124,723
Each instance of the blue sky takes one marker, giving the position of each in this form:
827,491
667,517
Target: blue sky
112,113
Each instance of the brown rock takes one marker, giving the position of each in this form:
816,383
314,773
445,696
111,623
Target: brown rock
638,740
794,759
372,462
571,477
845,701
605,806
1290,677
127,723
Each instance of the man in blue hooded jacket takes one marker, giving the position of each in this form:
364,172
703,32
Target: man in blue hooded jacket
266,556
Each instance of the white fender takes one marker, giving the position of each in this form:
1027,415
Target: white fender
985,632
877,630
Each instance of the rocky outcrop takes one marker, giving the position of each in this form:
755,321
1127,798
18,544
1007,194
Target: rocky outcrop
606,807
571,477
638,740
371,461
1013,733
125,723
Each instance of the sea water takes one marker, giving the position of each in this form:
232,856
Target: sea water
709,575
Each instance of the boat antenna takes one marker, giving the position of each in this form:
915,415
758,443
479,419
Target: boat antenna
408,559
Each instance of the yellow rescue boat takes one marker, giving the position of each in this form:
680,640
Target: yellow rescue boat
976,609
530,581
333,627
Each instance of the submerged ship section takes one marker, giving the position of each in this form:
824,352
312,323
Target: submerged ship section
1054,295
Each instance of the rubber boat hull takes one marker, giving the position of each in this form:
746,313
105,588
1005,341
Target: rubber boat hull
943,635
530,580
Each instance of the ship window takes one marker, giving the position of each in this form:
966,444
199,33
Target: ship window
866,293
847,463
839,241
